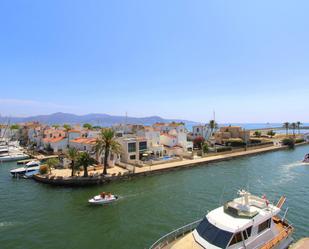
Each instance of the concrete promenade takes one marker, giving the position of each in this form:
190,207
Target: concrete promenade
205,160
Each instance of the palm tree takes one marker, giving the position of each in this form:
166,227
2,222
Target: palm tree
51,163
107,143
213,125
84,159
67,128
293,125
298,123
286,126
72,154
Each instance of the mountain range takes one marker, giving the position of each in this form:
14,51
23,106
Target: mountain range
94,119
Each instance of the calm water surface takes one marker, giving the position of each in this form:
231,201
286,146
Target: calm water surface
33,215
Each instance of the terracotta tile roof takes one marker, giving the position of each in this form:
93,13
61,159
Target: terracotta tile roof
53,139
75,131
159,124
83,140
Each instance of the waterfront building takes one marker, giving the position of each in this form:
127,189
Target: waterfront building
83,144
167,127
201,131
154,147
56,144
227,132
134,149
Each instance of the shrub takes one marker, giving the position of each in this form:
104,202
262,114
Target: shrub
271,133
198,142
43,169
257,133
222,149
255,141
289,142
299,140
234,142
205,148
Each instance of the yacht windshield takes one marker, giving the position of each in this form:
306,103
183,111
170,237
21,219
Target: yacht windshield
213,234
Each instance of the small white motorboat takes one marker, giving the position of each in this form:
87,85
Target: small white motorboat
29,169
306,159
103,198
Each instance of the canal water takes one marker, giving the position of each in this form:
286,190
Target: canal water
34,215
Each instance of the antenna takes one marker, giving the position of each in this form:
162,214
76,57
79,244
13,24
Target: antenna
126,122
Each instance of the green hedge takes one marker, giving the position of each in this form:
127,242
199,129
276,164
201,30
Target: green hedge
299,140
289,142
255,141
235,142
222,149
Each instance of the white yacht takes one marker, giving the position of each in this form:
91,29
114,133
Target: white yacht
247,222
28,170
11,153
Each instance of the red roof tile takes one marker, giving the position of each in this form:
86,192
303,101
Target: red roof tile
53,139
83,140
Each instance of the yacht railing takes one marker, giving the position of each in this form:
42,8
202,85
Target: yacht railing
287,230
172,236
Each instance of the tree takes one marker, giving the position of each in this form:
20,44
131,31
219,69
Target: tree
56,126
84,159
87,126
286,125
198,142
107,143
14,127
289,142
51,163
271,133
213,126
205,148
257,133
72,154
298,124
67,128
293,126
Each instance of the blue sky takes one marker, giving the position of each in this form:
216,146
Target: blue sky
247,60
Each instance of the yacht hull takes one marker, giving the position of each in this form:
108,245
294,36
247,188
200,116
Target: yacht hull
13,158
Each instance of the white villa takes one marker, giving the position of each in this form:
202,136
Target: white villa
201,131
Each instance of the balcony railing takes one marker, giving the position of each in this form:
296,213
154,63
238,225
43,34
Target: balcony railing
174,235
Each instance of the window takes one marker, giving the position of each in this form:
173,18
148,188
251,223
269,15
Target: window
132,157
142,145
248,232
197,130
236,239
213,234
131,147
263,226
85,148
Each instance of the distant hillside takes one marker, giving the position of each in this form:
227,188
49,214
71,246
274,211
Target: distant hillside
94,119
